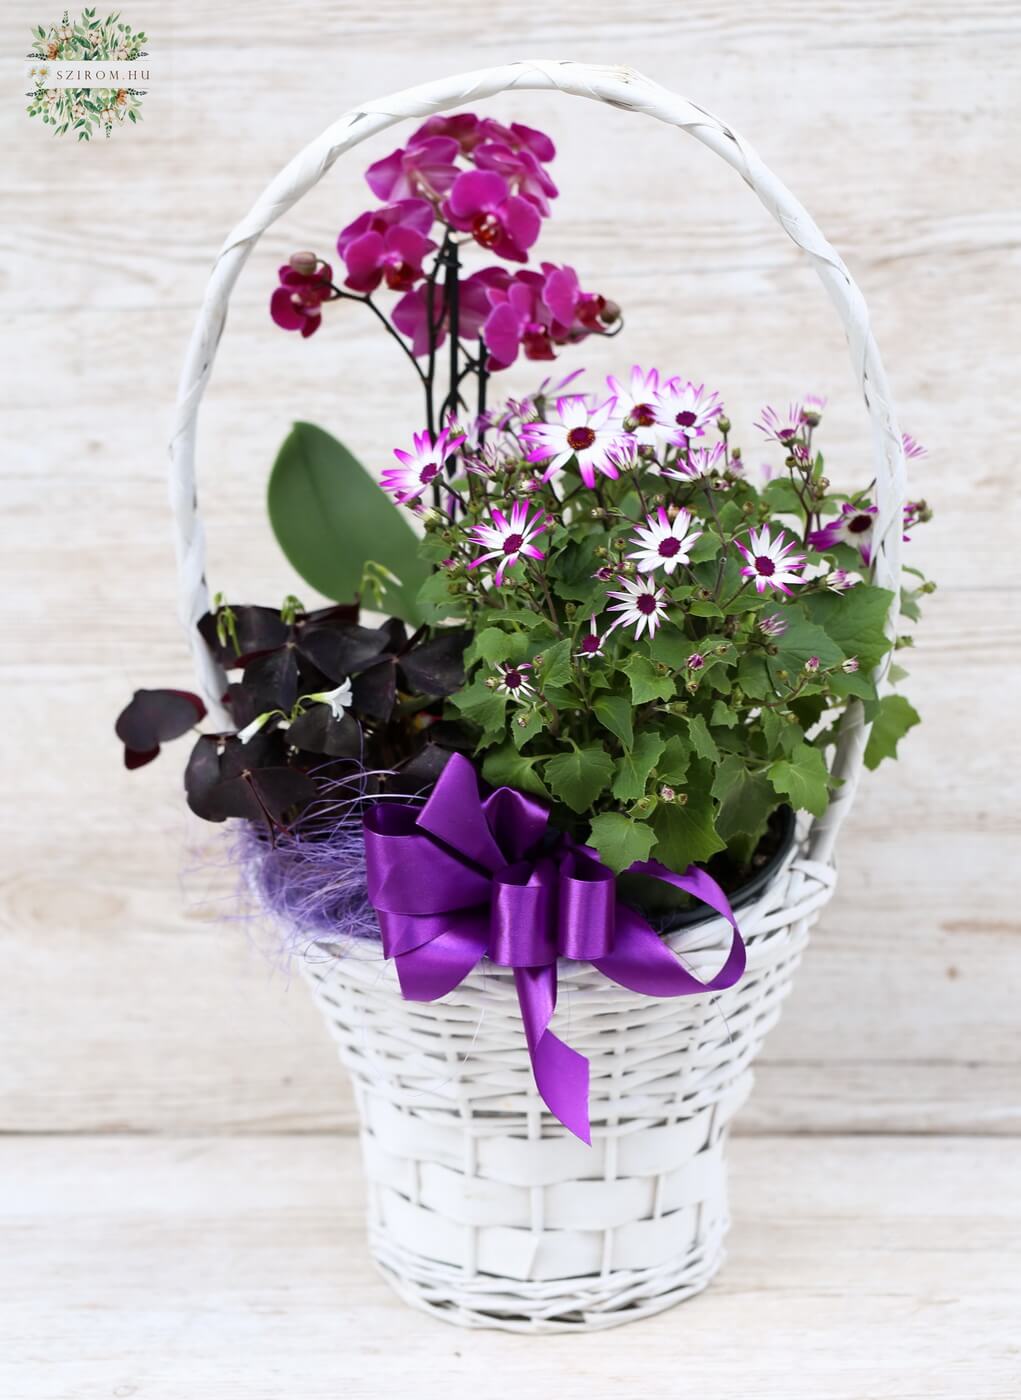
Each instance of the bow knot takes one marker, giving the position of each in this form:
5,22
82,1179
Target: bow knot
464,878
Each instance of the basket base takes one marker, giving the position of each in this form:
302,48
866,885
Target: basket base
573,1305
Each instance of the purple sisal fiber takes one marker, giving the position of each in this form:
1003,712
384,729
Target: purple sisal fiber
311,878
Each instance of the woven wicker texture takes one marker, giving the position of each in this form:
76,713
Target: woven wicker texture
482,1208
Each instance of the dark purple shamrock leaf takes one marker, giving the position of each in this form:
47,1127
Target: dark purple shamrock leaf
420,772
258,630
318,731
436,667
339,651
153,717
271,682
226,778
374,690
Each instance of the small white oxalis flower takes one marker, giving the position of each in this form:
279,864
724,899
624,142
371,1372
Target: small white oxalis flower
338,700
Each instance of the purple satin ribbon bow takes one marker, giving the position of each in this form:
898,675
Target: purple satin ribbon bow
457,880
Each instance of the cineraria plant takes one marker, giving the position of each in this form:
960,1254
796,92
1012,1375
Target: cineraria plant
603,607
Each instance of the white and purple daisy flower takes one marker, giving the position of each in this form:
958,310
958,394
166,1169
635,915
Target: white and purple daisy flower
513,680
641,605
854,525
839,580
683,410
507,540
773,626
636,410
664,543
812,406
771,563
782,427
697,462
579,432
420,467
592,643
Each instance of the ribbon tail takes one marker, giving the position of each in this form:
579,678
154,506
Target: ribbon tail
561,1074
642,962
433,969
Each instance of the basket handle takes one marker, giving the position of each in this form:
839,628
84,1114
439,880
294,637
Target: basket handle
619,87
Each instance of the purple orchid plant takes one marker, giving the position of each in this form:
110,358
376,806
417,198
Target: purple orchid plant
598,602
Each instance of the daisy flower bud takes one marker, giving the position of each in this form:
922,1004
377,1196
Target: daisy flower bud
695,661
667,794
812,665
850,665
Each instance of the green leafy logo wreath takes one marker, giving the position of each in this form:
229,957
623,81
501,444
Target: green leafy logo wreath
86,40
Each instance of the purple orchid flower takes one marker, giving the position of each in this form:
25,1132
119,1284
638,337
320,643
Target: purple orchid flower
305,283
522,170
415,214
427,167
480,203
411,314
394,256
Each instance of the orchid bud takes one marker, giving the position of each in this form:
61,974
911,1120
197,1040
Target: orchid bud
609,313
304,263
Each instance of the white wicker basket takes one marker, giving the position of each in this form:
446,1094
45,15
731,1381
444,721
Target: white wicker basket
483,1208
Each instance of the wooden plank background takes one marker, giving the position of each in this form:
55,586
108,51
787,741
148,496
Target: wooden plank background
133,999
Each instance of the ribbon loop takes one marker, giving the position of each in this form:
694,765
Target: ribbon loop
459,880
522,929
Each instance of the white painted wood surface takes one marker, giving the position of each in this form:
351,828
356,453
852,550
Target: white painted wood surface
859,1269
132,999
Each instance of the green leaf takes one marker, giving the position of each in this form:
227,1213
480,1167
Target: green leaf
621,840
577,778
646,683
722,714
435,601
753,676
505,767
685,835
671,648
633,769
854,620
329,516
894,717
482,706
614,713
522,732
704,609
746,799
802,640
676,759
702,741
803,779
783,498
494,645
556,665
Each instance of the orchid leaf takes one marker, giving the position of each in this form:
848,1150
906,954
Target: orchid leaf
330,517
